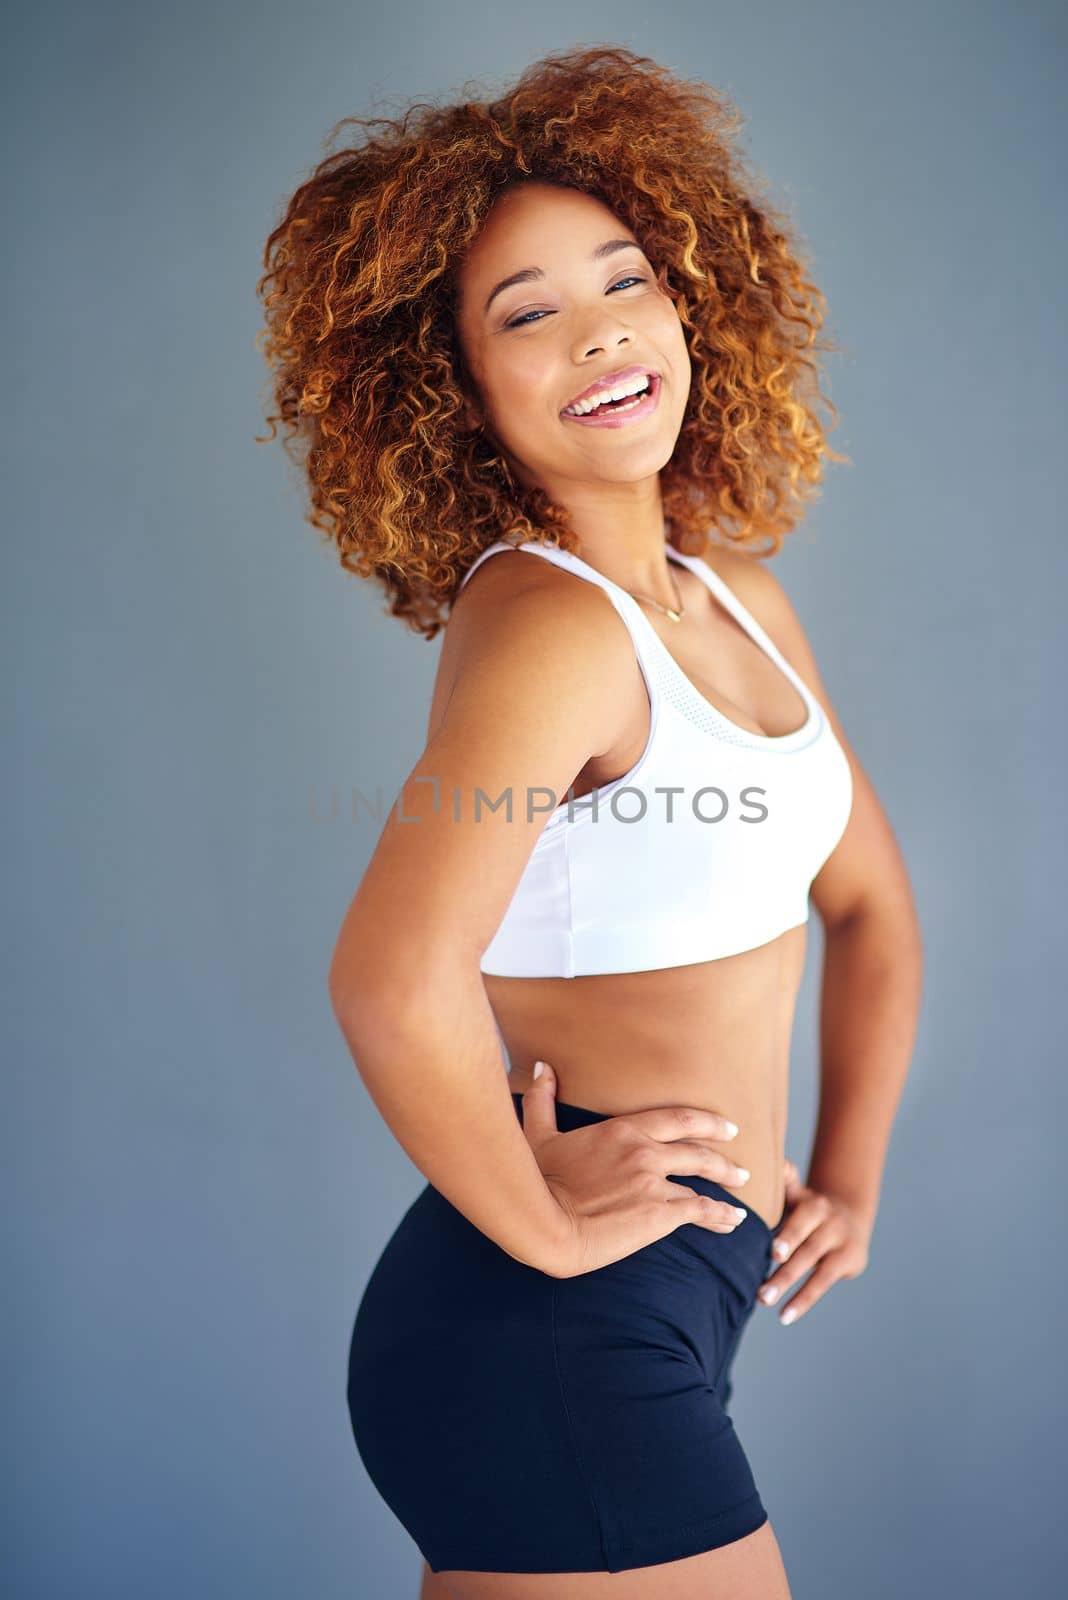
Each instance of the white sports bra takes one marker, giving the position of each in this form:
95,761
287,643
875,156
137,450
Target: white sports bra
705,848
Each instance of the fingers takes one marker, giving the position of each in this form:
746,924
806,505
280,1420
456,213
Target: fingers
807,1240
668,1123
825,1274
687,1157
539,1104
808,1216
717,1215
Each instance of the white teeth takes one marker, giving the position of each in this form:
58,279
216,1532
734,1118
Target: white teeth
632,386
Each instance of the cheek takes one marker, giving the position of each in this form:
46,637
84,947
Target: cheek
661,326
673,343
673,333
521,389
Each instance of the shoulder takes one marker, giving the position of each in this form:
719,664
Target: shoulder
516,592
750,576
521,617
759,589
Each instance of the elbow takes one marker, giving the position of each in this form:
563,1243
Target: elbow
358,981
346,1002
373,1028
364,960
350,993
387,1001
360,1006
891,926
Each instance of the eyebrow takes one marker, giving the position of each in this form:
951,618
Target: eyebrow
531,274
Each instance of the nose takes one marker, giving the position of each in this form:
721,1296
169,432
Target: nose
608,335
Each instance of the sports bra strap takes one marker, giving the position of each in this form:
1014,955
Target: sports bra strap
500,544
637,623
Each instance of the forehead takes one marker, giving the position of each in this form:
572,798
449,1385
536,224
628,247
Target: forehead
537,224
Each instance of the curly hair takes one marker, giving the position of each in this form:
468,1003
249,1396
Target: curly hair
359,295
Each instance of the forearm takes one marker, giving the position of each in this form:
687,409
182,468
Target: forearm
870,1001
432,1062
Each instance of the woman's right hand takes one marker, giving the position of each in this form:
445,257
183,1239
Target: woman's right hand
611,1182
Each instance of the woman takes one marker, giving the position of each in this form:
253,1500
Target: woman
539,350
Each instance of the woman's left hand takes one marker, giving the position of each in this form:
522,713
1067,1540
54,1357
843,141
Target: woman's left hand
821,1232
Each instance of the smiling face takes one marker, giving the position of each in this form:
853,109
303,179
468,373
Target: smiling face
586,304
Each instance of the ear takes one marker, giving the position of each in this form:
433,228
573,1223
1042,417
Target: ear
472,417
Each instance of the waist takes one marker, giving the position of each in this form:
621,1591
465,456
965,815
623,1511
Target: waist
713,1034
569,1117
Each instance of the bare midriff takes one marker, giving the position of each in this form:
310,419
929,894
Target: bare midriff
715,1035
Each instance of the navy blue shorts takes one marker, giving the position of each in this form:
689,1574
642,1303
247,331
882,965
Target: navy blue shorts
516,1422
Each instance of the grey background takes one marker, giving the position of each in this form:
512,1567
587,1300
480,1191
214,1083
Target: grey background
198,1184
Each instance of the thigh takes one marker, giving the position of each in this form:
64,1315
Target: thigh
749,1569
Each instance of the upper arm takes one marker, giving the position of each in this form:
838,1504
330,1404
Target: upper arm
536,694
866,866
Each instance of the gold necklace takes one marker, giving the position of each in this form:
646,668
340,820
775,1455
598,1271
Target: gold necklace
675,615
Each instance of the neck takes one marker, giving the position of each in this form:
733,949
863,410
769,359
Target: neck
633,561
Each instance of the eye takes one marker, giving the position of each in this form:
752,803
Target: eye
521,321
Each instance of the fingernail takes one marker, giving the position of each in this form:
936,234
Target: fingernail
732,1129
788,1315
538,1069
740,1213
743,1173
769,1294
781,1249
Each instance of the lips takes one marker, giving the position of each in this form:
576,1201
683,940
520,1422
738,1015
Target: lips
628,414
609,381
